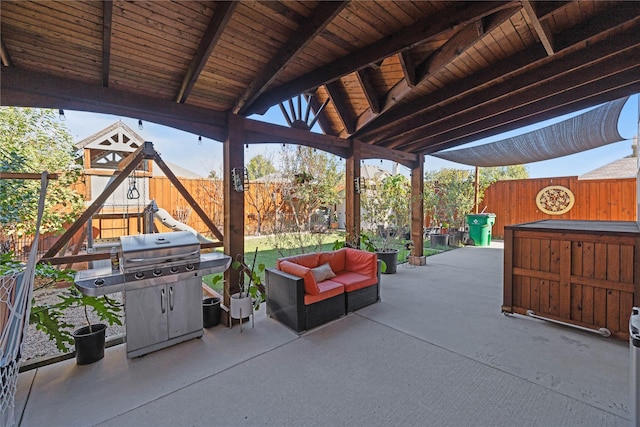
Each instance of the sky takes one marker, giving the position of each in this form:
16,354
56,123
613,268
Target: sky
185,150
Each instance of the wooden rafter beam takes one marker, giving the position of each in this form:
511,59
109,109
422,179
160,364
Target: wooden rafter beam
459,14
589,95
34,89
364,77
459,42
543,32
212,34
107,18
582,82
583,65
408,68
404,117
257,132
546,8
318,114
4,55
318,107
336,93
321,16
377,152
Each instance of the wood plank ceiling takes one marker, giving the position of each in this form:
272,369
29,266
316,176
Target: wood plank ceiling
405,78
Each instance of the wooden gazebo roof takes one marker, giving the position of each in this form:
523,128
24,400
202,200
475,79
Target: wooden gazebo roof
405,78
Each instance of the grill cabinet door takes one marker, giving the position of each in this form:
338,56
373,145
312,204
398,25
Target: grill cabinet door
146,316
185,306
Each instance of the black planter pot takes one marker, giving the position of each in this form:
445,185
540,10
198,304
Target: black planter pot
89,343
210,312
439,240
390,258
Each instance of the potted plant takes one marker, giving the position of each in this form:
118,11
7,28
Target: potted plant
50,318
334,221
252,291
89,340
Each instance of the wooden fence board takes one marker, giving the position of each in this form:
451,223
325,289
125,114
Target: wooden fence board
587,304
513,201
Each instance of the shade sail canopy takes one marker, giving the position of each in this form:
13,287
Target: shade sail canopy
592,129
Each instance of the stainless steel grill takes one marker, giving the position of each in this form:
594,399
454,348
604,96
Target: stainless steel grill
161,276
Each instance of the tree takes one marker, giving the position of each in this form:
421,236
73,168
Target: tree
309,181
449,196
449,193
500,173
259,166
262,197
386,207
32,141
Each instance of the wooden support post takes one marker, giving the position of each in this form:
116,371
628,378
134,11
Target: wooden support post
233,204
352,199
417,213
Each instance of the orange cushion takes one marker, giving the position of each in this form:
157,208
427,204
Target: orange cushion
354,281
335,259
328,289
310,285
308,260
362,262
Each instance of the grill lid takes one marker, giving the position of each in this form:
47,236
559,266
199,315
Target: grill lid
147,250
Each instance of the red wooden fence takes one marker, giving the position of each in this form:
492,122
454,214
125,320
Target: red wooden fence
514,202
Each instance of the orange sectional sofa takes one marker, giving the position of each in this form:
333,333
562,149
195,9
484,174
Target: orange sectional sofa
305,291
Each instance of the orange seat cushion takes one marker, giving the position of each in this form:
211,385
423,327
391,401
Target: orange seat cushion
310,285
328,289
334,258
354,281
362,262
308,260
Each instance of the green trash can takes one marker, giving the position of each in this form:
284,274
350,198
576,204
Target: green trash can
480,228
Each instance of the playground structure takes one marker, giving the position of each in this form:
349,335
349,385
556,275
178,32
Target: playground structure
145,224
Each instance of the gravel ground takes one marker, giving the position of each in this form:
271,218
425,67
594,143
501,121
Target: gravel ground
37,344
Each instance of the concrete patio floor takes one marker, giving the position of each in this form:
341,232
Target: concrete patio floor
436,351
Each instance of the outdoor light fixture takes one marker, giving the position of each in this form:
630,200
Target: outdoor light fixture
139,124
239,179
61,115
199,140
359,185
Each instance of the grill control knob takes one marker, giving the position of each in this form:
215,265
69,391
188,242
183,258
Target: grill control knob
174,270
157,272
139,276
190,267
98,283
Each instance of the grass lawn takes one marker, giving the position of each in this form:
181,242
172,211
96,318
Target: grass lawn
267,255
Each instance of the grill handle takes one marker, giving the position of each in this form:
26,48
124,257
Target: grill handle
163,258
171,298
163,301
